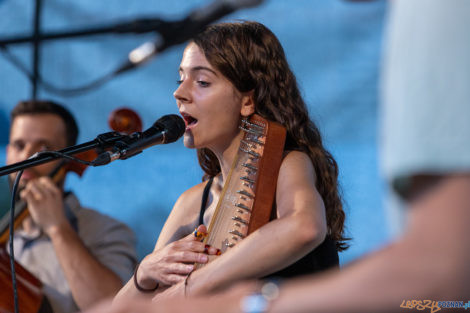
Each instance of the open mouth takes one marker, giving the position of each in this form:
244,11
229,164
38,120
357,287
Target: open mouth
188,120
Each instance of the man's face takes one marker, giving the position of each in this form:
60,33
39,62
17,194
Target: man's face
31,133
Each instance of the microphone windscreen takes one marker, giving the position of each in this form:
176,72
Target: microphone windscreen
173,125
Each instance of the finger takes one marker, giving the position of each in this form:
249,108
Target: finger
201,232
23,193
180,268
34,191
45,191
27,196
197,246
212,250
202,228
30,197
191,257
192,236
198,234
49,186
182,245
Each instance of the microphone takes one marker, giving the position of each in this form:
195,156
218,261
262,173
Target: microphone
167,129
180,31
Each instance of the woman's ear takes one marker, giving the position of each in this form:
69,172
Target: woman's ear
248,103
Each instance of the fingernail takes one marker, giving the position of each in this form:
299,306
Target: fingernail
218,252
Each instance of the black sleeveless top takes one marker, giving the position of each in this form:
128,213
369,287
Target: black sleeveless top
323,257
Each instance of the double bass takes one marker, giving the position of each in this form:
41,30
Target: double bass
30,296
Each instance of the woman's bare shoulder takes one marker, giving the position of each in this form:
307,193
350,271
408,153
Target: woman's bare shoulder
296,173
297,161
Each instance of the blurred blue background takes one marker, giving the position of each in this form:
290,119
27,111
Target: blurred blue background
333,47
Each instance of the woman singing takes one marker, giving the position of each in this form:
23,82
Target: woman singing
227,73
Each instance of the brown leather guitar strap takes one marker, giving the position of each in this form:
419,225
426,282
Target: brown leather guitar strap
268,169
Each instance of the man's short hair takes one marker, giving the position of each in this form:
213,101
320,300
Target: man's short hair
32,107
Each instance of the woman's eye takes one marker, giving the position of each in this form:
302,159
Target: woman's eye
203,83
179,81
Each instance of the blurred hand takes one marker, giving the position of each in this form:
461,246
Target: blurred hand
45,204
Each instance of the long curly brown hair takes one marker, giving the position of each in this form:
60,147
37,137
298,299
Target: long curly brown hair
250,56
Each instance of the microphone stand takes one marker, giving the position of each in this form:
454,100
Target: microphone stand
101,142
137,26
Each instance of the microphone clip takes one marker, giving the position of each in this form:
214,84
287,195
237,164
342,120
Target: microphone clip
120,150
166,130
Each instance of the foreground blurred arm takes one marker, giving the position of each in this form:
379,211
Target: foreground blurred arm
429,262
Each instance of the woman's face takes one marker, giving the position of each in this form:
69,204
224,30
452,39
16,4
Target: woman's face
209,103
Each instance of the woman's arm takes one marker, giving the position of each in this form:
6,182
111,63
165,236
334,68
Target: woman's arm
299,228
175,251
